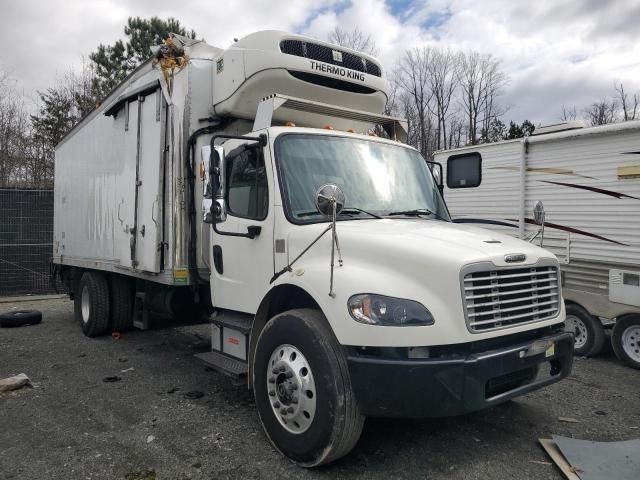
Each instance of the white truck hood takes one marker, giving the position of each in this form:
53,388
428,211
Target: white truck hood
417,259
420,240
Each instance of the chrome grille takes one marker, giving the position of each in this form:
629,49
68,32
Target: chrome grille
502,298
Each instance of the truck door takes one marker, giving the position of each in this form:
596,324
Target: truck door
141,207
242,266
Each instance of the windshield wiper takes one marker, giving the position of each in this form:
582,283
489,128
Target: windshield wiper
352,210
345,211
417,212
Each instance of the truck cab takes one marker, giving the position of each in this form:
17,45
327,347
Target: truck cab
401,313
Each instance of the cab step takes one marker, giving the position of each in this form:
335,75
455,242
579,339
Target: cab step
232,367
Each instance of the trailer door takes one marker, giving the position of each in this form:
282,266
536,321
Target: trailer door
148,228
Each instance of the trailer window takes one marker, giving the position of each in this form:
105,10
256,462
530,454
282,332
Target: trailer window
464,171
247,191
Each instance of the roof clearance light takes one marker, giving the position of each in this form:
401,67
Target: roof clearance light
202,170
351,130
328,127
290,124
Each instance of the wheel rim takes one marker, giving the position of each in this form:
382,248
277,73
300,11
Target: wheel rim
84,304
631,342
291,389
579,329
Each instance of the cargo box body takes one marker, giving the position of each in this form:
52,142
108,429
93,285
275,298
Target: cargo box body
122,182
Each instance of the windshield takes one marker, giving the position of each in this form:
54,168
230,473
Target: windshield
376,177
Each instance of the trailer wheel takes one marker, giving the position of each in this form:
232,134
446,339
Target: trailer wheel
91,304
626,341
120,303
303,390
588,331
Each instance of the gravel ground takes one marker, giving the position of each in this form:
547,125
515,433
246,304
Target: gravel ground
150,425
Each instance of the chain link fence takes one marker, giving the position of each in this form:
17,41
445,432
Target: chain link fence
26,240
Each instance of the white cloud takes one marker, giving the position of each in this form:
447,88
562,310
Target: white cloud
555,51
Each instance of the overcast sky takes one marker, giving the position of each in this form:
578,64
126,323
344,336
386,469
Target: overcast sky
555,51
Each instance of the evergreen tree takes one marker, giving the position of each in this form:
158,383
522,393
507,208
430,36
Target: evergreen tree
114,62
519,131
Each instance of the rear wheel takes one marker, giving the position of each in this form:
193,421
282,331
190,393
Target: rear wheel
303,390
588,331
91,304
626,341
120,303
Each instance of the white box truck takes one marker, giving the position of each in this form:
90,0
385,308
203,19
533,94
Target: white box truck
589,180
261,185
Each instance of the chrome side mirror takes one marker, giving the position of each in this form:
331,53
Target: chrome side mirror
327,196
539,219
207,188
217,174
538,213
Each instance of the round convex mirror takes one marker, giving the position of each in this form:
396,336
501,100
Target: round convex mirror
326,196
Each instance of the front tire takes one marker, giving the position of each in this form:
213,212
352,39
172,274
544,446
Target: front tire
626,341
588,331
303,390
91,304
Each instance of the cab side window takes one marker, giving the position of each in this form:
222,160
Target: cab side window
247,190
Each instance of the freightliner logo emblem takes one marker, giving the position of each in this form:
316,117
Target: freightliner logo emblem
515,258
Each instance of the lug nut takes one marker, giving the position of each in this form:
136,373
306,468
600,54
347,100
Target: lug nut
272,379
272,393
289,374
276,404
282,369
294,386
274,371
290,410
294,400
283,411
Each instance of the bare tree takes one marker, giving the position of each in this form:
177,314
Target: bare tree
14,130
354,39
481,82
413,77
568,113
629,106
601,113
443,69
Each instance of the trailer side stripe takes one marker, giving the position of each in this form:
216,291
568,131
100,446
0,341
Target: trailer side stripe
611,193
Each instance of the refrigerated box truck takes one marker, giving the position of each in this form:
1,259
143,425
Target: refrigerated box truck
589,182
261,186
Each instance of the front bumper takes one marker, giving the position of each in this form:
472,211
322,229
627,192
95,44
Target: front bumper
446,386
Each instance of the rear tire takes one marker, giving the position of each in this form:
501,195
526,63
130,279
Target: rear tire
120,303
626,341
314,366
588,331
91,304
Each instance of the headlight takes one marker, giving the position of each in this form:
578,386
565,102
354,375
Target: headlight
380,310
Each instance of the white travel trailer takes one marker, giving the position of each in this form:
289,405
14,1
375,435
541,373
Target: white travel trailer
323,253
589,181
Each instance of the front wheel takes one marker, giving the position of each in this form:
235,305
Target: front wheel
303,390
626,341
